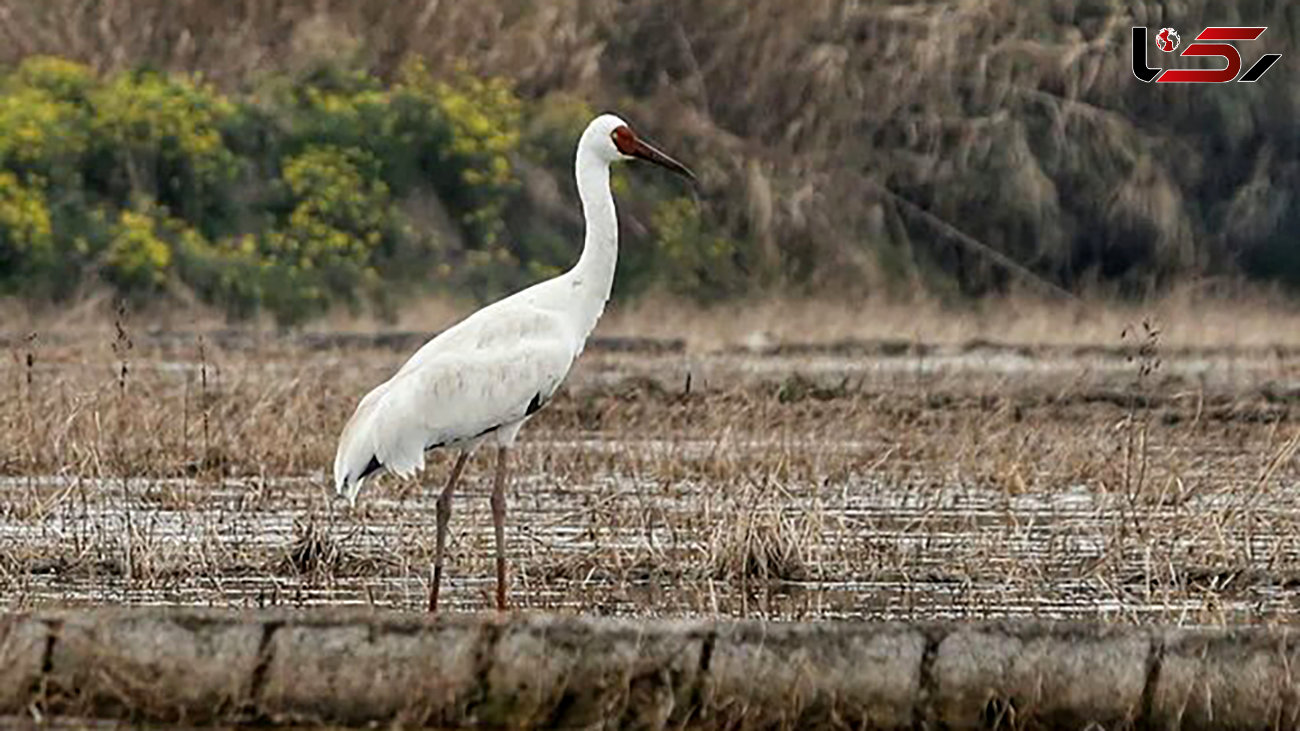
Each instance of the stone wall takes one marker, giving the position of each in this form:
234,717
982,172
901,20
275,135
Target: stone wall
358,667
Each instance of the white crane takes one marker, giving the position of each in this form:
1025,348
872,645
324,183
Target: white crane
481,379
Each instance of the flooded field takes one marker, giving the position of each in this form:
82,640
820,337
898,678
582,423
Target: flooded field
865,480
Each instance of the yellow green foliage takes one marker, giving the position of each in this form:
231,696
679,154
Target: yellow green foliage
136,255
694,261
315,189
344,116
38,130
552,128
340,210
485,121
65,80
348,105
25,229
484,115
173,118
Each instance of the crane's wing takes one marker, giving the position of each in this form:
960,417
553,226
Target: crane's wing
495,373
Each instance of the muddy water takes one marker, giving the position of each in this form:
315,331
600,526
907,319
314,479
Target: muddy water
635,545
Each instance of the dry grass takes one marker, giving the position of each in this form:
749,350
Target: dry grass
1192,317
1138,483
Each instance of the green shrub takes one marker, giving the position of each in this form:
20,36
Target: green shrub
552,128
67,81
548,240
693,261
474,172
136,258
328,246
41,135
345,109
26,234
44,119
160,136
323,188
341,210
230,274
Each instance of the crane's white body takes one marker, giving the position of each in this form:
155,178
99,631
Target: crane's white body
484,377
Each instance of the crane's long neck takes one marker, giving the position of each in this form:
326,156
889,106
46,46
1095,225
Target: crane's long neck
593,275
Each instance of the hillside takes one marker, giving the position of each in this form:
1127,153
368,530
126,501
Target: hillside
860,148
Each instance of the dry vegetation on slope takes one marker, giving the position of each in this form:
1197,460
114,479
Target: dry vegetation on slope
817,125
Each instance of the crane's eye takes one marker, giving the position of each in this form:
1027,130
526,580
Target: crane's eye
624,139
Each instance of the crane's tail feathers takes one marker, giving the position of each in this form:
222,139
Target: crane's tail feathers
357,458
348,488
353,465
352,471
346,485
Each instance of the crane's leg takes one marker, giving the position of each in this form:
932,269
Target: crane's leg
499,523
444,516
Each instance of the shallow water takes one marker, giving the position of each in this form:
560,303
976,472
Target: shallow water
867,546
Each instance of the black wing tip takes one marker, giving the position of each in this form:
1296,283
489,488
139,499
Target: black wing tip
374,465
535,405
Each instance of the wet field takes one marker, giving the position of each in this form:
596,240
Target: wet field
864,480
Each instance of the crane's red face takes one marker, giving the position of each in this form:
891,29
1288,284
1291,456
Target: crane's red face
632,146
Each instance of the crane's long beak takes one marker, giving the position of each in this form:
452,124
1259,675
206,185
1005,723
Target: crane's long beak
648,152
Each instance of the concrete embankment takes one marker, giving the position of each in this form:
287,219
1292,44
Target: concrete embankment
361,668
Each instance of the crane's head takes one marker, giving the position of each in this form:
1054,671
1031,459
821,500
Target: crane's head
613,139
